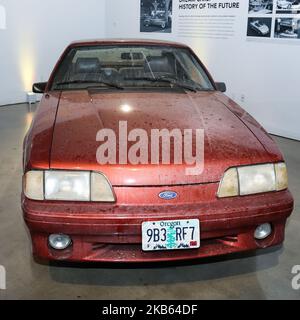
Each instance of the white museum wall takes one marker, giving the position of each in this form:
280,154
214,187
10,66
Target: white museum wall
261,75
35,34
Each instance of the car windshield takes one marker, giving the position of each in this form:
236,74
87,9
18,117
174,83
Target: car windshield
120,67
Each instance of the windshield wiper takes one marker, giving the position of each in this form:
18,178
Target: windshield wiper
96,84
171,81
174,81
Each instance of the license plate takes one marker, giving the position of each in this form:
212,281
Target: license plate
171,235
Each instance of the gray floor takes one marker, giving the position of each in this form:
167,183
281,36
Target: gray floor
264,275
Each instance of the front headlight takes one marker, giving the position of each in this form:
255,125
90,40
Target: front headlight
64,185
254,179
68,186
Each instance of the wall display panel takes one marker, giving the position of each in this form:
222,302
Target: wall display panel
248,44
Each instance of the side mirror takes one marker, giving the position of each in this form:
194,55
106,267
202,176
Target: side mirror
39,87
221,86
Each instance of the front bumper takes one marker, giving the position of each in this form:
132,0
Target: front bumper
105,233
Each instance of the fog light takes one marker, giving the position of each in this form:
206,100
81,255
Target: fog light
59,241
263,231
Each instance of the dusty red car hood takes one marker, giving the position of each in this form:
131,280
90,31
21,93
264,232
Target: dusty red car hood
228,140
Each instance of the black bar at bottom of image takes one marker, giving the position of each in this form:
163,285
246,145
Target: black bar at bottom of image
119,309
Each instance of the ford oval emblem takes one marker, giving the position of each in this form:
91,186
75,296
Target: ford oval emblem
168,195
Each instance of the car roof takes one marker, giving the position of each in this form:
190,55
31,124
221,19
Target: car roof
94,42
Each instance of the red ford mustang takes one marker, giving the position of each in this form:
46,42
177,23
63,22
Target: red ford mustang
136,155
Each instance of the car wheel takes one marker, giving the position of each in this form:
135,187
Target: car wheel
163,25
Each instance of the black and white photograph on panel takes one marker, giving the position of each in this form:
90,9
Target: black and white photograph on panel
156,16
287,6
287,28
259,27
260,6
